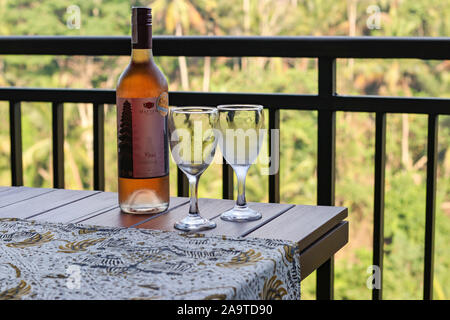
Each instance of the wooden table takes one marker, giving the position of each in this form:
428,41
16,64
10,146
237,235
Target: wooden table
319,230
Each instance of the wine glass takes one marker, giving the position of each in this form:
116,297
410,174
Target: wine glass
193,144
242,129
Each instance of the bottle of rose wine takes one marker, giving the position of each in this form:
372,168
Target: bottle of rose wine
142,107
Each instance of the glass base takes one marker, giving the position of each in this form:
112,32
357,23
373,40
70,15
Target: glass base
241,214
194,223
144,208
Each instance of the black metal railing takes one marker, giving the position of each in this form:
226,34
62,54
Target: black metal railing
326,103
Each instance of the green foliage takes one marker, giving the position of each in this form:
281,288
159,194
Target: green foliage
406,135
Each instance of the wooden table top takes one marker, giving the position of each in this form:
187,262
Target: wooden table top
320,231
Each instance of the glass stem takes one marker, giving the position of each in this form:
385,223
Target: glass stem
193,187
241,174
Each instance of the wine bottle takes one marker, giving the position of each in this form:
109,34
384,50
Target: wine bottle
142,143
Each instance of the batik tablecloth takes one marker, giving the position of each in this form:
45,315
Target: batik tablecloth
73,261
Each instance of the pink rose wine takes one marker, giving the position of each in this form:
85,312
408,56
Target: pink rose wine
142,107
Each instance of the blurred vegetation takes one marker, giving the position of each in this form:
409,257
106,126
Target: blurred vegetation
406,134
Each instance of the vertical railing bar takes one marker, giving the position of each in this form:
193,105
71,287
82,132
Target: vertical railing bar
58,144
432,147
182,184
15,129
227,180
274,144
99,146
378,209
326,164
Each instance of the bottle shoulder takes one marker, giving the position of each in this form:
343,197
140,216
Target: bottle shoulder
141,80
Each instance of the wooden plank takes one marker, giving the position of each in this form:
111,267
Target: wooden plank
4,188
269,212
211,209
9,191
319,231
115,218
43,203
321,250
303,224
81,209
19,194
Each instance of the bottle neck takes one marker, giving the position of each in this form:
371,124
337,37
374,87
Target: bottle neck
141,55
141,36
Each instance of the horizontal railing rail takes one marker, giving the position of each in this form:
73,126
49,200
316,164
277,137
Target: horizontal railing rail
417,105
229,46
326,103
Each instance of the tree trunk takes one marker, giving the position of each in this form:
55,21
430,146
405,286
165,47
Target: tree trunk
182,63
246,9
405,142
206,73
77,182
351,12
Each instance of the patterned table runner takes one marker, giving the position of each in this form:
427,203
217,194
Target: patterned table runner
72,261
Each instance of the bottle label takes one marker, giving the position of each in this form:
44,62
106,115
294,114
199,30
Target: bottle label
142,137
